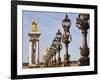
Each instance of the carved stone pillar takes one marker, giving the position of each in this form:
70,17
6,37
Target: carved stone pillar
84,51
30,52
33,49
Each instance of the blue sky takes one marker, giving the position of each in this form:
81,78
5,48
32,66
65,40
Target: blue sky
48,24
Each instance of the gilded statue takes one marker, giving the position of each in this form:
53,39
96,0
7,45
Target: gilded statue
34,26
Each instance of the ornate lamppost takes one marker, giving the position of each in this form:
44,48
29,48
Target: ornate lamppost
83,24
66,38
59,46
54,50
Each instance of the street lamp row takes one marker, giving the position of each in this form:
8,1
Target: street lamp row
66,39
82,23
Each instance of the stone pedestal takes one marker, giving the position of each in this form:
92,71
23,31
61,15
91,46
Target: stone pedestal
84,51
66,60
58,58
66,57
33,49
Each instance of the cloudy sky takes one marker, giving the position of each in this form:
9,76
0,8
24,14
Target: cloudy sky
48,24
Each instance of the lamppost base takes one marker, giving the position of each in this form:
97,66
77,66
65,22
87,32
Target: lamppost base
59,62
84,51
84,61
66,63
54,63
66,60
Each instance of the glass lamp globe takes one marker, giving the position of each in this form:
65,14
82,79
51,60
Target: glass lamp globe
54,41
66,21
58,35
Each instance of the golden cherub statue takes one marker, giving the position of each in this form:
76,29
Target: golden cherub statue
34,26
